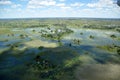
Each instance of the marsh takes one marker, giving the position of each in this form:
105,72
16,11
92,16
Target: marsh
59,51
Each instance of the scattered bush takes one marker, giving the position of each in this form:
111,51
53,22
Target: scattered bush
113,36
91,37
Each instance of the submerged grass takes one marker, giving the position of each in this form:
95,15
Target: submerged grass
5,31
111,48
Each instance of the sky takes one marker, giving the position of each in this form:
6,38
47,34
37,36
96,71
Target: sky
59,8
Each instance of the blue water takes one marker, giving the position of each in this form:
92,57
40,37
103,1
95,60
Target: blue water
101,37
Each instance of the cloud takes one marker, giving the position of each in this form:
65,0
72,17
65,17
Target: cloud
101,4
65,7
59,8
16,5
41,3
77,4
106,8
5,10
102,8
5,2
60,4
24,0
35,4
61,0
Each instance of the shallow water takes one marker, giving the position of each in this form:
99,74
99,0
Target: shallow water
87,45
101,37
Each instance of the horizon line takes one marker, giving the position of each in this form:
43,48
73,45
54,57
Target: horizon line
59,18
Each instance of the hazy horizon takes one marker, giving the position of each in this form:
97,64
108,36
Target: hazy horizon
58,18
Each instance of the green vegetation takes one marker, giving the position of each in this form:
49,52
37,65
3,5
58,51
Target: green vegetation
55,34
21,36
111,48
59,49
112,36
76,41
118,29
76,23
91,37
40,48
81,33
118,50
4,31
6,40
48,68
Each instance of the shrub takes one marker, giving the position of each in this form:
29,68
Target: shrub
92,37
113,36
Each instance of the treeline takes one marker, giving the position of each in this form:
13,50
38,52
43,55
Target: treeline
85,23
102,27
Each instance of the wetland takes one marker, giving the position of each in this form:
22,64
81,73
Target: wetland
59,49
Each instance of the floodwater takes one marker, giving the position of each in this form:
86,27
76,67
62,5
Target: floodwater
30,40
